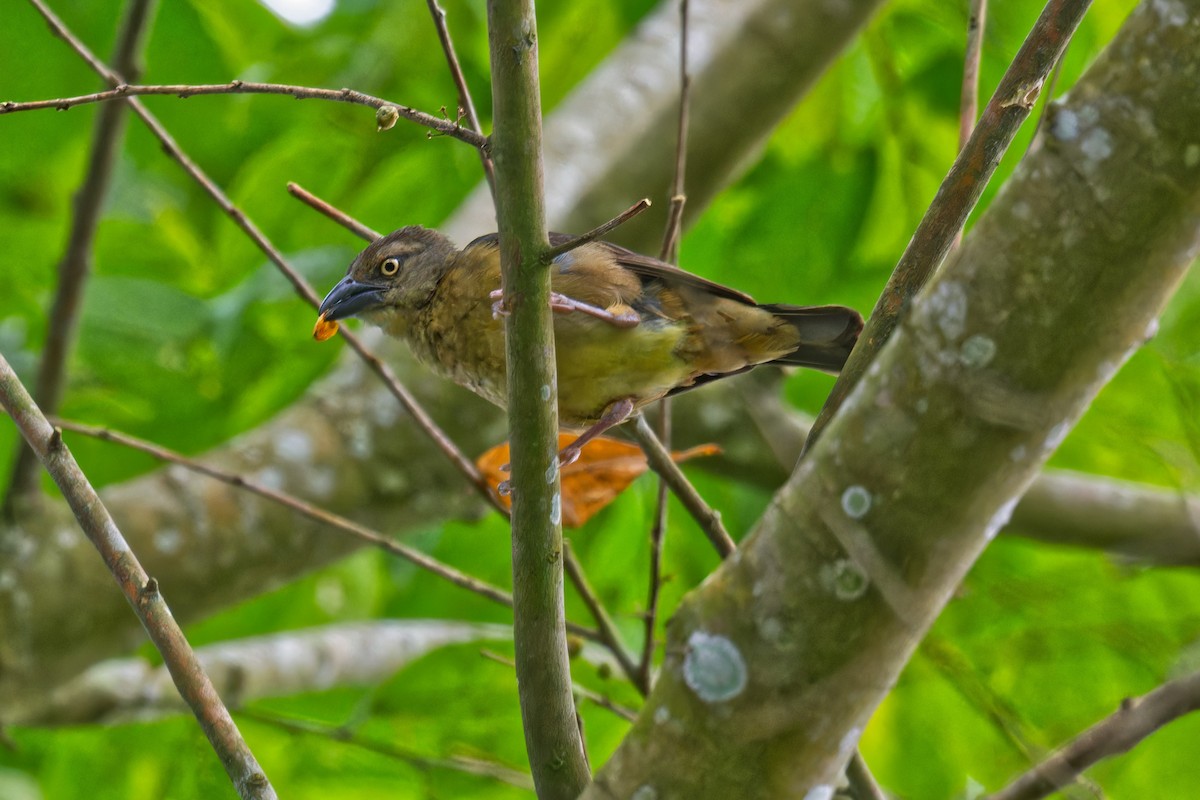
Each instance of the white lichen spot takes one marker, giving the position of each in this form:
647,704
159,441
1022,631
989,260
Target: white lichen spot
662,715
820,792
977,351
1056,436
922,405
1191,155
168,540
844,579
856,502
556,509
552,471
294,446
948,303
1097,144
1000,518
270,478
1018,453
1066,125
714,668
545,392
1022,211
644,792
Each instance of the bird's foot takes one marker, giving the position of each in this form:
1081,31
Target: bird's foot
499,309
562,304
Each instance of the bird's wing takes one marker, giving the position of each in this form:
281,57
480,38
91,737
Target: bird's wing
651,269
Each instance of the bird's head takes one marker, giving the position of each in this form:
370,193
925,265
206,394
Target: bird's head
392,277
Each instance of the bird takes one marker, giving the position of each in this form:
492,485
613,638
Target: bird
628,329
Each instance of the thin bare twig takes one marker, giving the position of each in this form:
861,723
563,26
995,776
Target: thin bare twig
670,254
372,537
960,190
661,462
464,93
336,214
139,589
608,631
121,89
598,231
969,100
1136,719
171,147
347,735
862,782
76,262
627,714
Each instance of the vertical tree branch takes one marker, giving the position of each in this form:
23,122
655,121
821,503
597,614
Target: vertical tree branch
960,190
139,589
669,253
76,263
552,737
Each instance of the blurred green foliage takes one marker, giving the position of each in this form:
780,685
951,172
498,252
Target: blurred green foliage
189,337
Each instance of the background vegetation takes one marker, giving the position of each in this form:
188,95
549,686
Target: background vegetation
188,338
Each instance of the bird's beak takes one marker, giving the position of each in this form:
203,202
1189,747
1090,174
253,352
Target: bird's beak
349,298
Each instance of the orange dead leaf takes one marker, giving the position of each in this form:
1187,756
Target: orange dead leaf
605,468
324,329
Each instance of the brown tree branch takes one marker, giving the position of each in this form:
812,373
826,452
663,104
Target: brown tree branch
1136,719
661,462
596,232
347,735
464,93
122,90
317,514
969,99
960,190
337,215
139,589
76,264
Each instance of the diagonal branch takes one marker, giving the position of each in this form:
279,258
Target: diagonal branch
122,90
1136,719
960,190
465,103
139,589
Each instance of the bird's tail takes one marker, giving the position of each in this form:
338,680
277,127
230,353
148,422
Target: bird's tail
827,334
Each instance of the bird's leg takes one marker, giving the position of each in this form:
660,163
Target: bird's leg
562,304
614,415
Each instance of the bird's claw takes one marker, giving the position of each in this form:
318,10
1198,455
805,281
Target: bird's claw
499,308
562,304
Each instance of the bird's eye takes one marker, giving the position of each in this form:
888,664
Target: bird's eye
390,266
